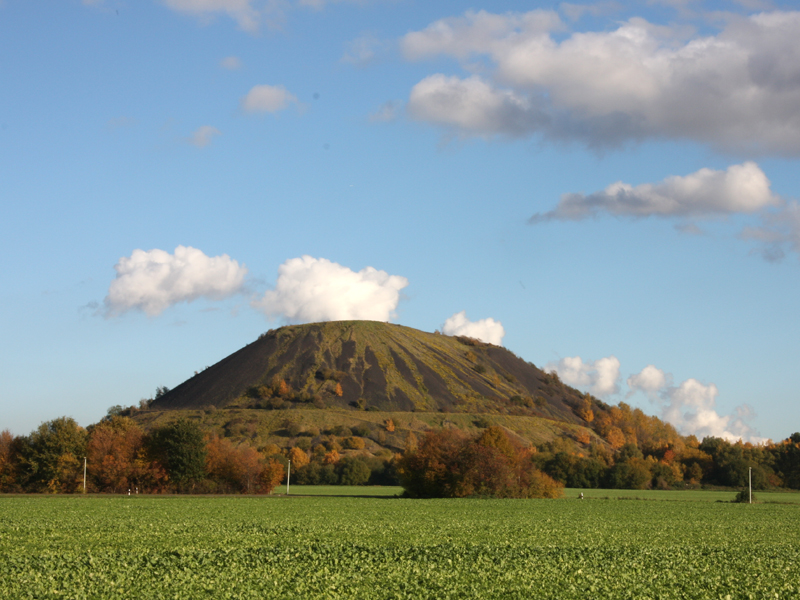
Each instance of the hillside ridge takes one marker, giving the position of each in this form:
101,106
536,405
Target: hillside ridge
370,365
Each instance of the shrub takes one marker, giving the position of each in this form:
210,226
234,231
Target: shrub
353,471
354,443
448,463
361,430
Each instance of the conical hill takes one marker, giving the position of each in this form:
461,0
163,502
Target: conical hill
368,365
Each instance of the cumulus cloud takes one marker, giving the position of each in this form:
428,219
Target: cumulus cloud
600,378
203,135
691,406
650,380
486,330
472,107
737,90
267,98
231,63
741,188
316,289
154,280
575,11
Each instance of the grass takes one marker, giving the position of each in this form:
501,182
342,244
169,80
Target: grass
772,497
375,491
337,547
780,497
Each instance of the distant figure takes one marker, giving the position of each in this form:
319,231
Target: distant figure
581,496
129,491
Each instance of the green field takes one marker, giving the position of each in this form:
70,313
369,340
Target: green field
383,547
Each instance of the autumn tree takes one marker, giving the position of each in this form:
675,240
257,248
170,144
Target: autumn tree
271,475
448,463
7,461
298,457
117,459
235,467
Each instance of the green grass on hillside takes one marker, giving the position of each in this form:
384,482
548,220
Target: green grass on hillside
261,427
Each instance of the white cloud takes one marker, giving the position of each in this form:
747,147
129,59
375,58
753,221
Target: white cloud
231,63
154,280
779,230
267,98
691,406
472,107
203,135
651,380
476,33
575,11
386,112
601,377
315,289
741,188
242,11
738,90
486,330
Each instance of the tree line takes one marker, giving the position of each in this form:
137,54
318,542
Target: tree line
624,449
118,456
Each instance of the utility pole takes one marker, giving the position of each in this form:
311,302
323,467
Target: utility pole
750,483
288,475
84,474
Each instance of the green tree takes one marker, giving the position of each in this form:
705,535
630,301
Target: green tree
51,457
353,471
181,449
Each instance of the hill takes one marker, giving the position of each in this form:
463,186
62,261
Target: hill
368,365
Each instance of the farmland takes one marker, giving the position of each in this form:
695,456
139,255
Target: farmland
331,547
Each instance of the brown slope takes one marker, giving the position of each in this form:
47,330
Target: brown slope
377,365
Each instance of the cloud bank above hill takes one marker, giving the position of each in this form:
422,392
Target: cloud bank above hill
691,406
601,377
486,330
741,188
607,88
152,281
316,289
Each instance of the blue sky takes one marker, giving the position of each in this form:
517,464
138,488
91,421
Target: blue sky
608,189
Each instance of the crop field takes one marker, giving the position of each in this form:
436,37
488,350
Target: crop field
357,547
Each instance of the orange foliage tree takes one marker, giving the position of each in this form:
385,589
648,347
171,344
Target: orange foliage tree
241,468
448,463
116,458
298,457
7,478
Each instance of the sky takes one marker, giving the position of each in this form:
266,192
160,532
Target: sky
609,190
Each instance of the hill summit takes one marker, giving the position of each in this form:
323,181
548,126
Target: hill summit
369,365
